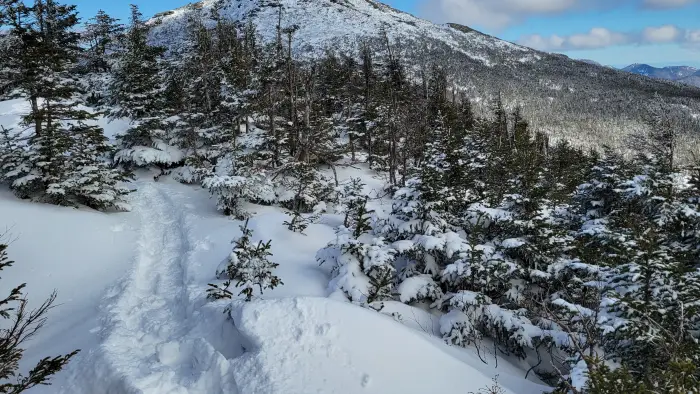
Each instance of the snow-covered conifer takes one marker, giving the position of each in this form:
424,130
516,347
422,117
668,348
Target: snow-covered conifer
249,265
137,93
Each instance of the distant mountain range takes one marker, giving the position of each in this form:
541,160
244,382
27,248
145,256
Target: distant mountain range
683,74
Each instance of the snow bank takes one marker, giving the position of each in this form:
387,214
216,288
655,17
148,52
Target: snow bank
317,345
80,253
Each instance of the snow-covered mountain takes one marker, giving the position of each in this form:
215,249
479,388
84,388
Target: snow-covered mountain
559,95
342,23
683,74
693,80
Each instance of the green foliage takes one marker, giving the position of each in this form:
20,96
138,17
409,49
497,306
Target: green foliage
62,162
678,378
249,266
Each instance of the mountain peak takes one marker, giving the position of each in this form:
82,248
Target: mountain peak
341,24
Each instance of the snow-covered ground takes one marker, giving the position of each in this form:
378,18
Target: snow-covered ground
132,295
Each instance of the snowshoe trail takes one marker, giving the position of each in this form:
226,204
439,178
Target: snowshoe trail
147,346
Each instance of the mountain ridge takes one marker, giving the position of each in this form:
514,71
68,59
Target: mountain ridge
683,74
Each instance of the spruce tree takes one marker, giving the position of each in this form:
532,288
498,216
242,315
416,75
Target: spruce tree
137,93
91,180
47,47
249,265
102,33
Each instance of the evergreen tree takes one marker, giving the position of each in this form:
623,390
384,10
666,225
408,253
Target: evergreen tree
249,265
47,47
91,180
102,33
137,93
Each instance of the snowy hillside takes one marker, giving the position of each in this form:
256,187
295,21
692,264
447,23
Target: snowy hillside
325,23
671,73
563,97
132,296
342,211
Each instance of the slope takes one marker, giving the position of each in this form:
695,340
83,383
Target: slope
582,102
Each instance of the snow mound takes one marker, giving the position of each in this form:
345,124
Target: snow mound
317,345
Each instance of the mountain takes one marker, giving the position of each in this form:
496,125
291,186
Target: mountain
558,94
692,80
683,74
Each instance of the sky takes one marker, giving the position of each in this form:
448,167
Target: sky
611,32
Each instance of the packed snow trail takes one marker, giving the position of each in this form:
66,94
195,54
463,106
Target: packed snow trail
148,346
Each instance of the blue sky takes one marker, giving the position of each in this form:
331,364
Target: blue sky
612,32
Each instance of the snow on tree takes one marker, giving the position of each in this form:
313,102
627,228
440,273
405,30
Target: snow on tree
137,92
44,50
362,263
249,265
91,180
238,178
101,35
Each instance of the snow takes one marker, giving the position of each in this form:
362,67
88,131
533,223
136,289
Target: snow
419,287
132,296
338,346
81,253
341,23
154,331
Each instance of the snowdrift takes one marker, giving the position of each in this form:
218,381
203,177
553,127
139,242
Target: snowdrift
317,345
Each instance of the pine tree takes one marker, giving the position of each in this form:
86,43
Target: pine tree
362,263
91,179
102,33
15,164
48,46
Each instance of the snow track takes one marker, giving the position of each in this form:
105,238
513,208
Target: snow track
148,342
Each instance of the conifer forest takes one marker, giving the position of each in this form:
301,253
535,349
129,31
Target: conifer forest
277,196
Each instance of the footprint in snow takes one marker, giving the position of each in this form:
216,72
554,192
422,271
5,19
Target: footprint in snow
365,380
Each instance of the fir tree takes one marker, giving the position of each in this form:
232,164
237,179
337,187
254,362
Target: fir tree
102,32
137,93
249,265
91,180
48,47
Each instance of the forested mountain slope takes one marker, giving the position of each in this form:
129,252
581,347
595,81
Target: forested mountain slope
568,98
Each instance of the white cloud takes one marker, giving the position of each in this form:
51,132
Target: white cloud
662,34
492,13
600,37
667,3
499,14
597,37
692,39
